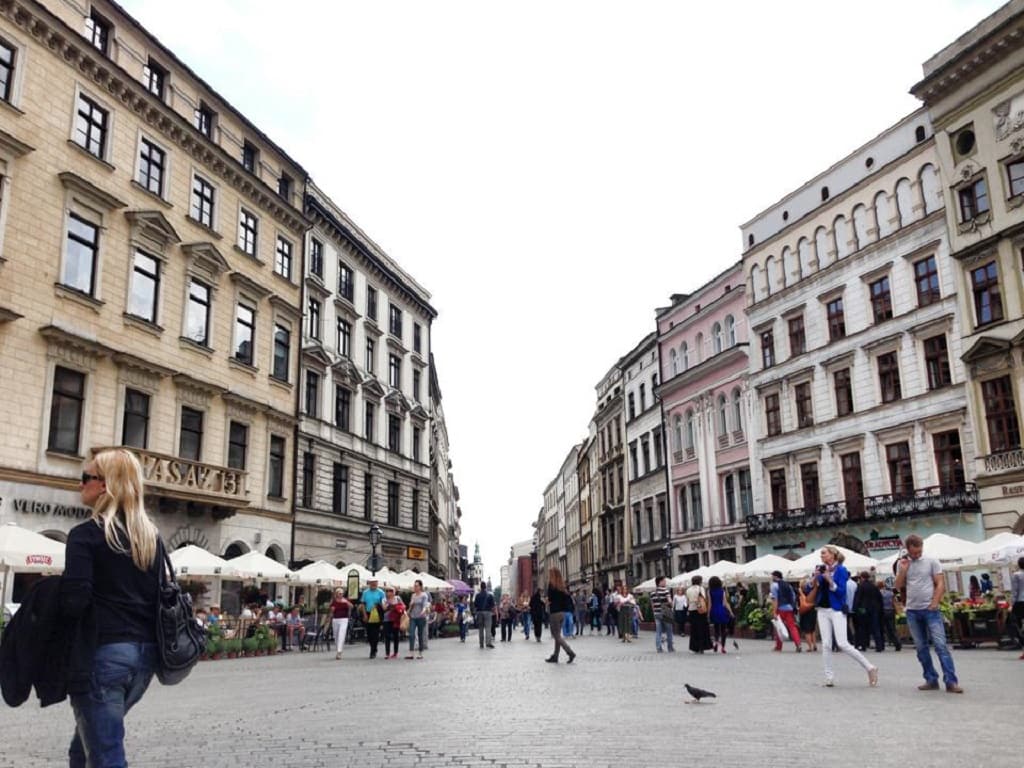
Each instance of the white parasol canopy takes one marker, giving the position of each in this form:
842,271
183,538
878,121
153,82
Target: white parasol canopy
726,570
1001,549
26,551
761,568
192,561
954,554
433,584
261,567
853,561
645,586
320,572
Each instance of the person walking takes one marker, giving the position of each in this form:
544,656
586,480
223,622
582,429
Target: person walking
831,593
920,579
611,611
626,605
808,615
394,609
461,611
419,611
112,572
784,601
720,613
594,611
889,614
661,605
524,614
483,609
867,605
340,610
507,617
697,599
372,610
560,603
1017,601
580,600
537,613
679,609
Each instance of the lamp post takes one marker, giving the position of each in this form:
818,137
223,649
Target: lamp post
668,558
375,535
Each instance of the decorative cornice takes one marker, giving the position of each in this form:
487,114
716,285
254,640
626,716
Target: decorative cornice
246,283
82,186
12,146
153,225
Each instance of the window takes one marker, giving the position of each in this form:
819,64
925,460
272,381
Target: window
308,479
730,500
282,351
284,186
926,277
730,330
202,201
248,232
344,338
135,432
370,348
881,300
633,460
809,485
889,377
314,319
197,323
645,452
91,127
1015,176
417,342
684,356
768,349
973,200
371,303
737,411
394,433
804,405
853,485
797,337
395,321
238,444
659,460
777,481
342,407
368,496
97,31
316,257
1000,415
152,163
773,415
339,496
631,400
368,423
190,442
394,371
684,515
346,283
988,305
275,477
250,157
245,328
145,287
415,509
746,494
901,478
154,77
716,338
7,54
312,393
723,417
283,258
392,503
696,507
417,435
416,384
844,392
689,435
81,250
643,399
836,319
205,118
66,410
949,460
936,359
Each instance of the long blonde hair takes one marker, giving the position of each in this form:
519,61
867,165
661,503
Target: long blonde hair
120,509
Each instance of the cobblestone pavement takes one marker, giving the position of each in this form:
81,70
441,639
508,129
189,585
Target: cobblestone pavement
616,705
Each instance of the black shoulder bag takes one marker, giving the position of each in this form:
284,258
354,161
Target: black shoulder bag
179,637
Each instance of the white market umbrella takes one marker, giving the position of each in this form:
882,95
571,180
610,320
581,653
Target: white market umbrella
854,562
726,570
404,580
191,562
954,554
681,579
433,584
364,573
645,586
25,551
1003,549
261,567
320,572
761,568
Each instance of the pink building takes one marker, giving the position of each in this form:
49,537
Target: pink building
702,345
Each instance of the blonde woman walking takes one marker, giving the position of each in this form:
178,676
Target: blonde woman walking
831,580
559,602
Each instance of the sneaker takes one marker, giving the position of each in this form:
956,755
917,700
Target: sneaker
337,655
799,649
928,687
873,677
954,688
419,657
830,683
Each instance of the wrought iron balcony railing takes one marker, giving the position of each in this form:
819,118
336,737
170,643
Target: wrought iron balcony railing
886,506
1005,461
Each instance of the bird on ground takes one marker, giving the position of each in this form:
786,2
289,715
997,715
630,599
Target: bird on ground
735,645
698,693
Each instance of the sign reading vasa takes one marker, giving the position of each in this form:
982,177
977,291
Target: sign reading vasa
178,474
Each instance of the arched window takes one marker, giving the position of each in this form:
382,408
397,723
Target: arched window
803,249
716,337
821,247
861,226
757,287
684,356
730,330
674,356
790,268
842,230
698,349
905,201
930,192
677,434
883,215
737,411
688,436
771,272
723,416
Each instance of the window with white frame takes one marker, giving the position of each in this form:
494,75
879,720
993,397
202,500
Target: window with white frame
203,201
197,319
152,167
92,126
283,258
145,287
248,231
81,255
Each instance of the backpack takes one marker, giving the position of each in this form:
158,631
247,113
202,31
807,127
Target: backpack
786,596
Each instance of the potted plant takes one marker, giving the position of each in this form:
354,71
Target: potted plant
213,647
249,646
234,647
757,620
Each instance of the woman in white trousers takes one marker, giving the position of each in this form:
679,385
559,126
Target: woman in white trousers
340,610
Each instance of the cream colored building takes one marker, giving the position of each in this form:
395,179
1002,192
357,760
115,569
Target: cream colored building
974,92
150,254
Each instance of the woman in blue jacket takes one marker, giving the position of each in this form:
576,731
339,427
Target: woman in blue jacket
831,588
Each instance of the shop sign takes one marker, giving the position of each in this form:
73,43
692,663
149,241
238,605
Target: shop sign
1013,490
715,542
180,474
792,545
416,553
50,508
884,544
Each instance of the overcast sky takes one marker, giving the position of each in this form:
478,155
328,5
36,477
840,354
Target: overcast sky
553,171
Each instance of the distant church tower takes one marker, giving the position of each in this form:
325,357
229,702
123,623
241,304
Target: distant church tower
476,570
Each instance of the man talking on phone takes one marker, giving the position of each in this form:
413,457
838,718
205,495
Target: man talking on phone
921,581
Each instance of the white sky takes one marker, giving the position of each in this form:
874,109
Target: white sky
553,171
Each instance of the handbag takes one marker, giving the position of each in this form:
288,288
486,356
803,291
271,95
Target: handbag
807,600
702,603
403,623
179,638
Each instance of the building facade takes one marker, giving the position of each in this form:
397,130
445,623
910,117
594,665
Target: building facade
571,562
703,349
586,462
973,91
861,432
614,551
445,528
151,240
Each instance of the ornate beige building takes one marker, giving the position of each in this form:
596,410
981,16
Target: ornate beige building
150,255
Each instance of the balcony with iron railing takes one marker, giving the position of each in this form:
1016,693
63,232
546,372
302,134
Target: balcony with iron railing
1006,461
887,506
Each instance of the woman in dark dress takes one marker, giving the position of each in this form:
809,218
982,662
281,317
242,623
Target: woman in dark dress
721,612
697,600
559,603
537,613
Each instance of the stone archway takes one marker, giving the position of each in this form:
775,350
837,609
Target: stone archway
274,553
852,543
234,549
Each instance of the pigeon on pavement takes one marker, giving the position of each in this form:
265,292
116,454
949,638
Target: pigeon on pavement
698,693
735,645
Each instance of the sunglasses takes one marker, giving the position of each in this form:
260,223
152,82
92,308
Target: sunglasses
86,477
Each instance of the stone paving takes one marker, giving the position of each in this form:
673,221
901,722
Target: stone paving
617,705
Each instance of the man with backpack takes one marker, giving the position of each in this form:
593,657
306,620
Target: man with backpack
784,601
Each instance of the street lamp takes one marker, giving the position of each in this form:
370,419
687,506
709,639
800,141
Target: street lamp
375,535
668,558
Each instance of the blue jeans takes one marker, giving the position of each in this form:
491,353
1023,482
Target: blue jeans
526,625
121,673
662,627
418,628
567,625
927,625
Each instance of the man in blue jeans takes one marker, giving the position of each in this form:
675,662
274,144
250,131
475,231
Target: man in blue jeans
921,581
